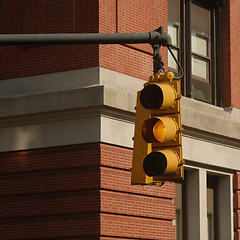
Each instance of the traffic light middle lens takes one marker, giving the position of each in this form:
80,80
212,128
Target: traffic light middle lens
159,131
153,130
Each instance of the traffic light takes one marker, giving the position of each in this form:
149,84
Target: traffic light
157,150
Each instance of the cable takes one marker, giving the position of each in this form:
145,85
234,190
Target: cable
181,69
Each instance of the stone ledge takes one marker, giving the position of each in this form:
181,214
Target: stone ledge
116,93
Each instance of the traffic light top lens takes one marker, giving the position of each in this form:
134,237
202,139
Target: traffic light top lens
151,97
158,96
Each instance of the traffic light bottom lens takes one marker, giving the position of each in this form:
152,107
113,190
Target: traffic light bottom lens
164,162
155,164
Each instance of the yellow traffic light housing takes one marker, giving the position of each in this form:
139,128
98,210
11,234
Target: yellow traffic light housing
157,151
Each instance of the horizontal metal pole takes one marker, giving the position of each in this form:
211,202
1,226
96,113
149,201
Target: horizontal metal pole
154,37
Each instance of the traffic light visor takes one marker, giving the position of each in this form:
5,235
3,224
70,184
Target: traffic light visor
158,96
164,162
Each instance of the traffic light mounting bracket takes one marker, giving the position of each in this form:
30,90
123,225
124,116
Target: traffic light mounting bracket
157,59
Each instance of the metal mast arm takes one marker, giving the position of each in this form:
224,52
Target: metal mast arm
155,37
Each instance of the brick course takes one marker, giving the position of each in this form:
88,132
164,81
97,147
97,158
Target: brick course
80,191
51,16
80,16
138,228
144,212
231,52
50,193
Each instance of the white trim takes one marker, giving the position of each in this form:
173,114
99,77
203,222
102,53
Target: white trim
117,132
61,101
98,86
49,134
210,153
225,198
197,204
81,128
203,204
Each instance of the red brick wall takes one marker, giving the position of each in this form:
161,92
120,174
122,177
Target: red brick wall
53,16
64,192
50,193
138,212
131,16
236,205
50,16
231,53
58,16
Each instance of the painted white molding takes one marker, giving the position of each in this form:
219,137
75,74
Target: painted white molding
98,86
197,204
94,127
225,208
50,134
196,197
57,109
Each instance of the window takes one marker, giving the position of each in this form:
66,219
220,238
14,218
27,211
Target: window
212,205
210,213
193,26
204,205
200,50
173,31
178,206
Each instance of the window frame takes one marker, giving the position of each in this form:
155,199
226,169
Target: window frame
185,50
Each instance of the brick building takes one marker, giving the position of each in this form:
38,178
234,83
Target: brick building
67,122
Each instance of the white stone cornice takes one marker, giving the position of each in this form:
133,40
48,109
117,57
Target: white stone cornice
101,87
103,101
